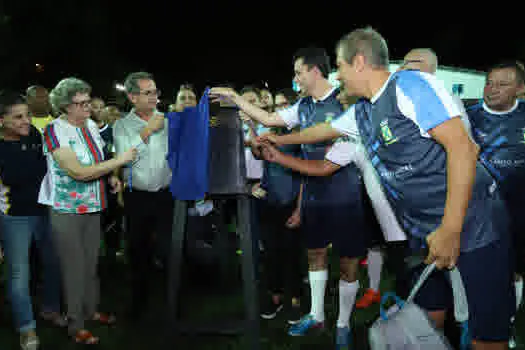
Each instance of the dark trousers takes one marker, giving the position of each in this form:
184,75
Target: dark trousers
112,228
149,217
283,249
397,252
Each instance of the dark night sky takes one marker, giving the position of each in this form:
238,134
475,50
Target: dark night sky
101,42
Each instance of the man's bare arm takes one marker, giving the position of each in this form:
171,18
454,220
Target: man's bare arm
461,170
318,133
304,166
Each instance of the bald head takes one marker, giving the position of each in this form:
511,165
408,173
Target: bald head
424,60
38,101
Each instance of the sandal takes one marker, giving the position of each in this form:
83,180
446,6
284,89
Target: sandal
104,319
55,318
85,337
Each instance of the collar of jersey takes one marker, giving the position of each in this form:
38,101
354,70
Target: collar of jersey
491,111
325,96
380,91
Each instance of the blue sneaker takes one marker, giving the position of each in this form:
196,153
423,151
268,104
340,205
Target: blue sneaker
304,325
342,338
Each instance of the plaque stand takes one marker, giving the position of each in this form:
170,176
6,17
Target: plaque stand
227,180
248,326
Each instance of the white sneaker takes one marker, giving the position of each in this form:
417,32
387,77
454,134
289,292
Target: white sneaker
29,342
512,340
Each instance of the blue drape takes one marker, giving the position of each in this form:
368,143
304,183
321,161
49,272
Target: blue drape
188,150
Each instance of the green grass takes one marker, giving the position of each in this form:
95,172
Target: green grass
205,302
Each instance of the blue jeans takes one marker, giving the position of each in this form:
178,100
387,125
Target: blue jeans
18,233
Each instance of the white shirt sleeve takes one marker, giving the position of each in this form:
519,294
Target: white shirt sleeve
122,139
290,115
346,124
424,99
95,132
342,153
119,138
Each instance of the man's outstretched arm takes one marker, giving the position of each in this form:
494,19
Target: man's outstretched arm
258,114
304,166
314,134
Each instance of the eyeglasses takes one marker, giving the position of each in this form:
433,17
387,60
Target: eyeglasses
407,62
82,104
149,93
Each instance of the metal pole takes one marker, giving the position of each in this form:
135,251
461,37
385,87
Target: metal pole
178,233
251,299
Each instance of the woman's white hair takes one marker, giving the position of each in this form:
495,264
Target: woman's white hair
62,94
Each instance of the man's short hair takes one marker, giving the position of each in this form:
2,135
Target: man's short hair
515,65
250,88
290,95
314,57
9,98
366,42
31,91
131,84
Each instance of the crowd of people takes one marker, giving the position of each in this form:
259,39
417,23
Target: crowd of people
328,167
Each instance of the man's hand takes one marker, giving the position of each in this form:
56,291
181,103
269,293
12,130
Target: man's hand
269,138
269,152
258,191
115,183
129,156
443,247
222,93
294,220
244,117
156,123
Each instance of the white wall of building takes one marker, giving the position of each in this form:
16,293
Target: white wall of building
472,81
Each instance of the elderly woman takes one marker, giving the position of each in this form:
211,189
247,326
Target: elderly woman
74,188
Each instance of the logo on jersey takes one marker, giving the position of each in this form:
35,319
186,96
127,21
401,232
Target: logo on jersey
523,133
214,122
481,134
302,119
388,137
329,117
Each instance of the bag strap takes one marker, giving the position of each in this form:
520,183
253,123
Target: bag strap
387,296
461,313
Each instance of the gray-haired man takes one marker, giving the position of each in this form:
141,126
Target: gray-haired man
148,201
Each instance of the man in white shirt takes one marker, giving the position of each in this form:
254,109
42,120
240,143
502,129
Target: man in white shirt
331,204
148,201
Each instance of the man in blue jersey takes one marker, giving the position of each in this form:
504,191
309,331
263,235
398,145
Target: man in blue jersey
498,126
427,164
332,206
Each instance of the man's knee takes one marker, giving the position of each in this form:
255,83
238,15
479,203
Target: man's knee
317,259
348,268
